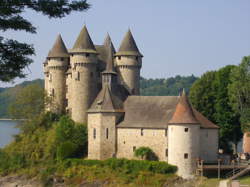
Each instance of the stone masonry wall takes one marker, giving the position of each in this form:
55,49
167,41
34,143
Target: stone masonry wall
130,138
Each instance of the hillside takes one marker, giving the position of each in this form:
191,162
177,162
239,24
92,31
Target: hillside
150,87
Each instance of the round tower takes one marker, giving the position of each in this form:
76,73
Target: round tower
83,59
56,66
183,139
128,64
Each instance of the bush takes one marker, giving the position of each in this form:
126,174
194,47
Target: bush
66,150
145,153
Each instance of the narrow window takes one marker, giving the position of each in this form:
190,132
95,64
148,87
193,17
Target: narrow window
52,92
134,148
136,57
166,132
87,54
91,74
186,155
50,77
94,133
186,129
141,132
78,76
166,152
62,59
119,57
107,133
66,102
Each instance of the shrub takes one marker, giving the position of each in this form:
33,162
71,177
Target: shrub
66,150
145,153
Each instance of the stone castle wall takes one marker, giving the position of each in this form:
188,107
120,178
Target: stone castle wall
183,146
56,83
129,139
84,85
128,68
209,145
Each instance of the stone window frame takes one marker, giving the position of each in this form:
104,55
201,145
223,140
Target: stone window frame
107,133
94,133
134,148
185,155
142,133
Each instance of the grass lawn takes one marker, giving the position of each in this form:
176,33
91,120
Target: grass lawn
212,182
245,180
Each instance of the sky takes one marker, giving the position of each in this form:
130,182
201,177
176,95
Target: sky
176,37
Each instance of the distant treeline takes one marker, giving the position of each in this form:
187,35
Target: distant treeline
151,87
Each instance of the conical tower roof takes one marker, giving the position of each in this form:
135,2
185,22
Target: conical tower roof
183,112
108,42
83,43
58,49
128,46
110,60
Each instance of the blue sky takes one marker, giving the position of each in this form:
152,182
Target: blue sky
176,37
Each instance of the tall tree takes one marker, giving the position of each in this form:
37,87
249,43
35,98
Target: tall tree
239,90
210,95
202,95
14,55
225,116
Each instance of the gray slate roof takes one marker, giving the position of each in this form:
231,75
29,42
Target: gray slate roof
59,49
83,43
128,46
106,101
154,112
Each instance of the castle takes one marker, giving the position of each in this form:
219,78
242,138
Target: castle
96,85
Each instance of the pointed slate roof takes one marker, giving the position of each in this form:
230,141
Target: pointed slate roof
59,49
183,112
128,46
106,101
108,42
110,59
83,43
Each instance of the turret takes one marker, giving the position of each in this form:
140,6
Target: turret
104,114
109,76
83,58
128,63
183,138
55,80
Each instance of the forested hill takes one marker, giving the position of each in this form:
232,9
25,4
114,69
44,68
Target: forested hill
170,86
7,95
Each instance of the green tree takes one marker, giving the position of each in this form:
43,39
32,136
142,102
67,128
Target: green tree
210,95
145,153
202,95
29,102
239,90
14,55
225,116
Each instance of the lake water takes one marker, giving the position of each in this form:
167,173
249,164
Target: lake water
7,130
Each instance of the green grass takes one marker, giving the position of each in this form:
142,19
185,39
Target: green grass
245,180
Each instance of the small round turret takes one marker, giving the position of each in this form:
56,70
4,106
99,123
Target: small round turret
55,81
183,139
128,63
83,58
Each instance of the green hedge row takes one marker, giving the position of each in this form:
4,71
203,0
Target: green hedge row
130,166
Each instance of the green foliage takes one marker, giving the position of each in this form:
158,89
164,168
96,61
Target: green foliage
14,56
8,95
66,150
29,102
239,91
210,96
161,87
145,153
